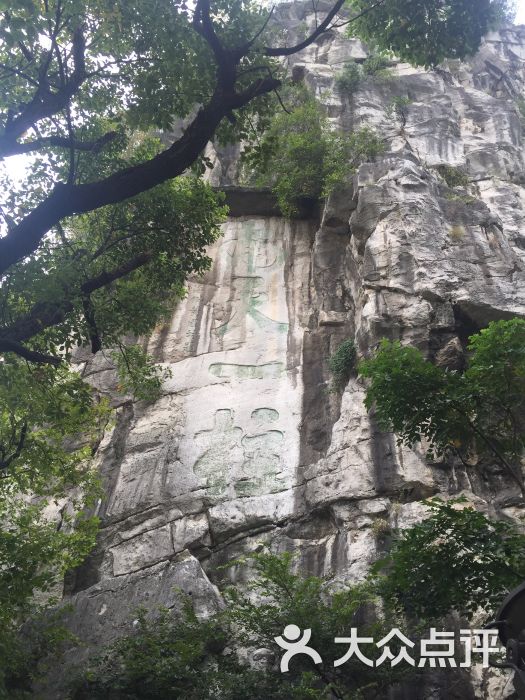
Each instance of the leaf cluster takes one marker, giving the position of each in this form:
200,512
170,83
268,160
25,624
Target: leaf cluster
480,410
342,362
398,108
138,374
425,32
455,560
48,424
354,73
299,156
454,177
197,658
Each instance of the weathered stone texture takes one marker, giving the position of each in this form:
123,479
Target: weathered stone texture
247,444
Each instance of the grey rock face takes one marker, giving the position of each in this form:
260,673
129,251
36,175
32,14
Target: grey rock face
247,444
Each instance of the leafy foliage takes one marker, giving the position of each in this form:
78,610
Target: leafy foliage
41,461
160,236
455,560
299,156
465,198
40,457
424,32
348,153
293,154
481,409
79,79
49,418
398,108
348,80
100,235
143,56
138,374
187,658
30,651
196,659
34,556
454,177
353,73
410,396
342,362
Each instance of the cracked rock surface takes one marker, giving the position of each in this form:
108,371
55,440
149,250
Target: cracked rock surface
247,443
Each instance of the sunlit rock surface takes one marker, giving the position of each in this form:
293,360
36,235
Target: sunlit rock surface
247,443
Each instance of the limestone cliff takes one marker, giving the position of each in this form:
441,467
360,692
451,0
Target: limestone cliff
247,444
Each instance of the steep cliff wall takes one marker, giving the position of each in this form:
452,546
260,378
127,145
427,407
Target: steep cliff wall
247,444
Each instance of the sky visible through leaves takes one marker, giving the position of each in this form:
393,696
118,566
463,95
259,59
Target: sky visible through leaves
16,165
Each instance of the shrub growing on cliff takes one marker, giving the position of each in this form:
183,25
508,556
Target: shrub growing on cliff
292,156
341,363
299,156
169,658
353,73
482,409
454,177
196,659
398,108
347,81
455,560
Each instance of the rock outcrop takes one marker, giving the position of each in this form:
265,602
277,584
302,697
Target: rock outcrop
247,444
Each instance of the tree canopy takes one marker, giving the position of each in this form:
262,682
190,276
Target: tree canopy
425,31
112,102
80,78
178,655
457,560
480,410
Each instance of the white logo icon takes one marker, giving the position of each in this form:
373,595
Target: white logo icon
294,645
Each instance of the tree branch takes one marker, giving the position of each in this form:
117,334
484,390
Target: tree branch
7,345
58,142
517,477
68,199
5,462
43,315
243,50
203,25
320,29
89,315
46,103
105,278
48,314
288,51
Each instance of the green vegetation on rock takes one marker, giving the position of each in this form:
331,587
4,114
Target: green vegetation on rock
454,177
300,156
457,560
341,363
354,74
480,410
425,32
